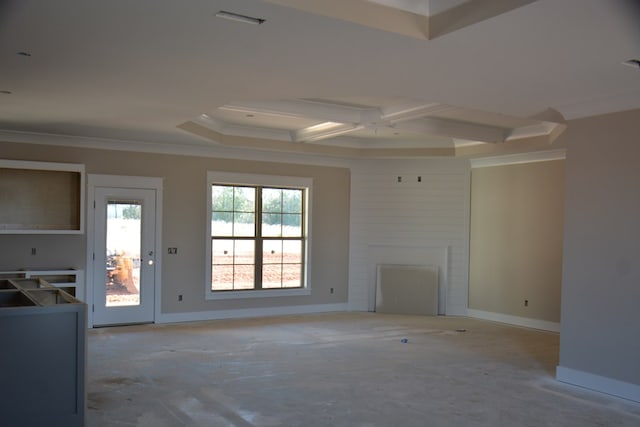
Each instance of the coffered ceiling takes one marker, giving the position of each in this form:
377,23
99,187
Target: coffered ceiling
354,78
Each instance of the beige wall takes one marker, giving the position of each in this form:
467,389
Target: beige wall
600,333
184,214
516,239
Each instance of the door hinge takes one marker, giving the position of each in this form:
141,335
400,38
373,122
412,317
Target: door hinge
93,308
94,256
94,204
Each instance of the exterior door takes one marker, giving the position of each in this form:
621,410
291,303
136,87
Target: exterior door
124,267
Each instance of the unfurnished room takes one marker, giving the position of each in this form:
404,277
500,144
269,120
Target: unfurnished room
319,213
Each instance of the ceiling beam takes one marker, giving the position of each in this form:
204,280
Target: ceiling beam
383,15
469,13
323,131
410,111
365,13
299,109
454,129
225,128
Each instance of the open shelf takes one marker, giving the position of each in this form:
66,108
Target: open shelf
46,297
71,281
15,299
41,197
32,292
6,284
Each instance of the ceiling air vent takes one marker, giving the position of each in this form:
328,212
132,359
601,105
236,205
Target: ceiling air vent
635,63
239,18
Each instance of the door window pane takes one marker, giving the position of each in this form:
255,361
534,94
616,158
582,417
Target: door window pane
123,239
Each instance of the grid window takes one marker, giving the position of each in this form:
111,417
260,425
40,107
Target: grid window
257,237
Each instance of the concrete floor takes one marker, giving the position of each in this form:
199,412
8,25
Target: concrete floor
346,369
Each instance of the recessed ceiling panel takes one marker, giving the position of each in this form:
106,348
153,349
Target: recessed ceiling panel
264,120
368,123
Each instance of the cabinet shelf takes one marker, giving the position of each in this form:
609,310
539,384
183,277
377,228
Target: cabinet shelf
41,197
70,281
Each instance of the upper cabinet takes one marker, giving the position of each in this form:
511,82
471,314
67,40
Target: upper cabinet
41,197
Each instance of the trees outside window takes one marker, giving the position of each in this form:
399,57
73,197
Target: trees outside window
258,238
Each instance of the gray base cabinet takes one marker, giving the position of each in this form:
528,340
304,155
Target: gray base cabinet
43,332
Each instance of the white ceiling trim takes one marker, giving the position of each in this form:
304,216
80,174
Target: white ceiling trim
332,119
454,129
369,14
606,105
410,111
298,109
408,18
206,149
323,131
514,159
469,13
544,128
225,128
418,7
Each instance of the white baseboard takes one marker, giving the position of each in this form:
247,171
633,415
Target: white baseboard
249,312
515,320
598,383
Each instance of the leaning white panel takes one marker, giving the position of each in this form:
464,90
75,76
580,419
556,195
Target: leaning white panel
407,289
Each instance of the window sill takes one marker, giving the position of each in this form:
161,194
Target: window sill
273,293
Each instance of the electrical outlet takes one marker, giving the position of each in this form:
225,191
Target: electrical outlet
172,251
331,290
180,297
33,251
526,303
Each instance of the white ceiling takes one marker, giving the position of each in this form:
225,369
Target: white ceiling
167,71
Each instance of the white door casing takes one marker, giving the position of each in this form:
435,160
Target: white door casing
105,191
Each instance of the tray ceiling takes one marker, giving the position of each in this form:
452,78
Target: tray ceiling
356,78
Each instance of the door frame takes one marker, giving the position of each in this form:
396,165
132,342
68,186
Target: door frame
127,182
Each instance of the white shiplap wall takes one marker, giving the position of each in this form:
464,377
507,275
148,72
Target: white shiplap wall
411,222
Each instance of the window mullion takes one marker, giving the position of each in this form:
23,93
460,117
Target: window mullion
258,239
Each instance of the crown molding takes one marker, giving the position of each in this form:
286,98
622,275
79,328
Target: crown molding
204,149
514,159
607,105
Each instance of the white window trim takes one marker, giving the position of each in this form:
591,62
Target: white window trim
233,178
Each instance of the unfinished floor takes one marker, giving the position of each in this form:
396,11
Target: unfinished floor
347,369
